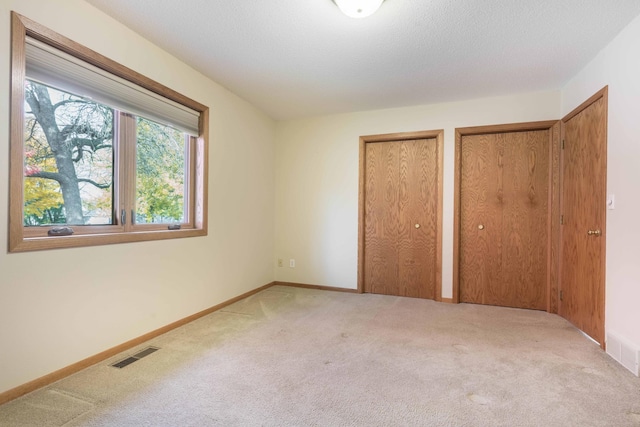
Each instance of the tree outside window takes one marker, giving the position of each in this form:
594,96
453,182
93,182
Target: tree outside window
69,163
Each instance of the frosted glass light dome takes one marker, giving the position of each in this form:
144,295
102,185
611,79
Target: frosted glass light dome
358,8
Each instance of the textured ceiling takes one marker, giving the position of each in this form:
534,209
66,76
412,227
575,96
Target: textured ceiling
297,58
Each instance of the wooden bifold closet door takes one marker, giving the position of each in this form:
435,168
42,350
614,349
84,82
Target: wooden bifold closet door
401,215
504,204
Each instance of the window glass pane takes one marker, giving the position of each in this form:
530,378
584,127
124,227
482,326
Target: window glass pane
160,173
68,159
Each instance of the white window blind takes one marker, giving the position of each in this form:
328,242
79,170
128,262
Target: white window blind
52,67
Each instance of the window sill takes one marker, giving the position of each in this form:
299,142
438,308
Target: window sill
26,244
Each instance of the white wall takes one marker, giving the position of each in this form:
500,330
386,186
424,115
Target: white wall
618,66
58,307
317,179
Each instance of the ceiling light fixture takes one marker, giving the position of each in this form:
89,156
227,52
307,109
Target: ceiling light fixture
358,8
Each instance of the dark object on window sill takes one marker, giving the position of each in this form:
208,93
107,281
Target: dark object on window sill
174,227
60,231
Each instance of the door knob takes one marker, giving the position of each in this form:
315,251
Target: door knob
596,233
481,227
417,226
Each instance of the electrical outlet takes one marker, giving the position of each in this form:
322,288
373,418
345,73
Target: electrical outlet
280,262
292,263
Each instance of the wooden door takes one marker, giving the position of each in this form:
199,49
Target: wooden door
382,222
504,206
584,170
401,217
417,218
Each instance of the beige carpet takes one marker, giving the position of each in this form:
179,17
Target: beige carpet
299,357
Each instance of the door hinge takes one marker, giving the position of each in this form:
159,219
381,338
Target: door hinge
563,144
561,219
561,295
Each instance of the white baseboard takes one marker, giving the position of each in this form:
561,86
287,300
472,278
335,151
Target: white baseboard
624,352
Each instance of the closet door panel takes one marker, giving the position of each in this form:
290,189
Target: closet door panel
417,243
381,219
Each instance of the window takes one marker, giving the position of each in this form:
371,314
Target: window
68,159
99,153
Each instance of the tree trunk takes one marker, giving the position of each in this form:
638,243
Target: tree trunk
38,99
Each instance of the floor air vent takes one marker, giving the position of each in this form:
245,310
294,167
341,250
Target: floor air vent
129,360
145,352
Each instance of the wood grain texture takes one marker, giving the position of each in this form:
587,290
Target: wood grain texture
361,208
16,155
510,127
417,204
403,136
381,218
525,222
504,181
584,168
457,180
417,177
201,189
553,296
481,196
440,190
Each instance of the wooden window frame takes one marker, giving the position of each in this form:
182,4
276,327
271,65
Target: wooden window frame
23,238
